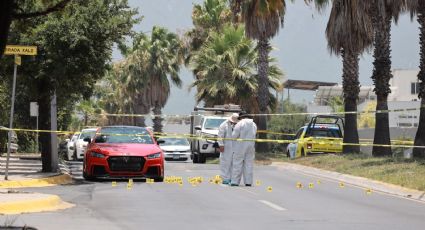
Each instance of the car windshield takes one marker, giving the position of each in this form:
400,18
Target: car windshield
174,141
213,123
85,134
124,135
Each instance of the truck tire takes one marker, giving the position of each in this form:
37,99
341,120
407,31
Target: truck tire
195,158
202,159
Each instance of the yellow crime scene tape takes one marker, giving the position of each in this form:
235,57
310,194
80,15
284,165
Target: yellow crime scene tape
400,144
266,114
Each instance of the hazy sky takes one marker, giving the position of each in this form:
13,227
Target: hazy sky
301,46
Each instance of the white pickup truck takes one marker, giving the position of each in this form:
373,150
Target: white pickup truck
204,130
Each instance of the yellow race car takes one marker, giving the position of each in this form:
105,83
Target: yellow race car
317,137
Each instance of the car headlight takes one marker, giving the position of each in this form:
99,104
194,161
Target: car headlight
97,155
154,156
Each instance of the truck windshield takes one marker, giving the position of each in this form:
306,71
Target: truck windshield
213,123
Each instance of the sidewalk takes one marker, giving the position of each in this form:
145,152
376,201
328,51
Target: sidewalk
365,183
25,172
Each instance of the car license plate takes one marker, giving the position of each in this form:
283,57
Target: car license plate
175,157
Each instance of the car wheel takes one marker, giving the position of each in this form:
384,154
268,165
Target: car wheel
202,159
85,175
195,158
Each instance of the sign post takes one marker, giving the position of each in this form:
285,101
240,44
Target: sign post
34,113
17,51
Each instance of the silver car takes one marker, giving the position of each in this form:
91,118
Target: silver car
177,149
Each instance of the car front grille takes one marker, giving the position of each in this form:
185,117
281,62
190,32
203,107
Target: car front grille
126,164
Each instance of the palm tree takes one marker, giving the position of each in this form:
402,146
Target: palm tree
159,57
349,33
212,15
417,7
382,13
262,21
226,66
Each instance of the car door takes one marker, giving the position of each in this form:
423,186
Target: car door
293,146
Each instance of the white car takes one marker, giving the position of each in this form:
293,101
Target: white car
70,147
80,144
177,149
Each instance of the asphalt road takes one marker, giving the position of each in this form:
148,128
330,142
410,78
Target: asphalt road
99,205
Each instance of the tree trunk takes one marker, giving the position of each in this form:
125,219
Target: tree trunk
157,121
381,77
140,109
420,134
263,90
351,87
6,10
44,120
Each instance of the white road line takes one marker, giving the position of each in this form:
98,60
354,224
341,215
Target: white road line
271,205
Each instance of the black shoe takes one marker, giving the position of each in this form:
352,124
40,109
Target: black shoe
234,185
248,185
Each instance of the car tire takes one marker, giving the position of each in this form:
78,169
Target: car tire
195,158
202,159
85,176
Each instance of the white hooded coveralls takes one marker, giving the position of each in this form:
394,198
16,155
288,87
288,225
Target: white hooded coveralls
226,157
244,151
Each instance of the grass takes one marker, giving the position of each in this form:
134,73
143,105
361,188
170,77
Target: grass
404,172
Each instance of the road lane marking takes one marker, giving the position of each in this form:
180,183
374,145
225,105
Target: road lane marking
272,205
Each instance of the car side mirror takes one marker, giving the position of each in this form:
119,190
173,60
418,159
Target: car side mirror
198,127
87,139
100,139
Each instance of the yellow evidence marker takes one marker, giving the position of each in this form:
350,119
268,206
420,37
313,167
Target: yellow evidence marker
258,182
368,191
311,186
114,183
299,185
269,189
341,185
129,186
319,182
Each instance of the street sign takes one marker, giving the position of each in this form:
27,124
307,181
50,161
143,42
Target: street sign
20,50
18,60
33,109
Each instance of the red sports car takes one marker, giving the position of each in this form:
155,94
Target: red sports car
123,151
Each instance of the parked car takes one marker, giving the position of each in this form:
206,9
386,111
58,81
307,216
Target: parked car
121,152
70,147
80,144
323,137
177,149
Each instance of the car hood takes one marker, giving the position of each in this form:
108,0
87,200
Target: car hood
126,149
210,132
177,148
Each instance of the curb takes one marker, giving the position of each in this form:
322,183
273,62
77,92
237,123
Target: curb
42,182
41,204
365,183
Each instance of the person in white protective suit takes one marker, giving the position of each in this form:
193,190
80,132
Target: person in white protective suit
226,150
244,151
